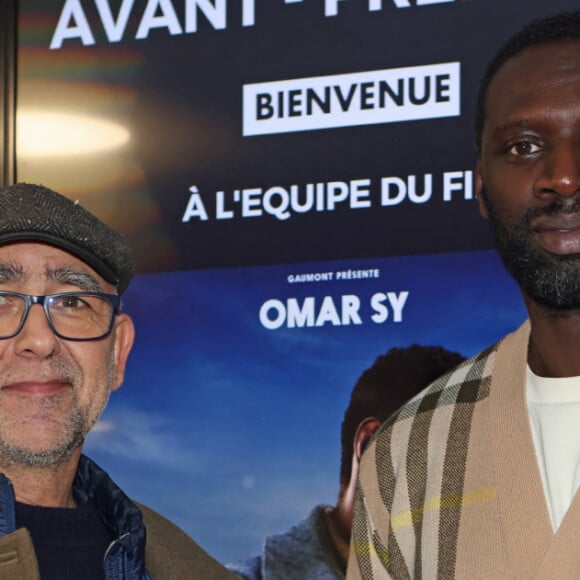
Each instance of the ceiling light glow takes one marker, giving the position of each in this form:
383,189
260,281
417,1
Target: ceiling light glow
44,134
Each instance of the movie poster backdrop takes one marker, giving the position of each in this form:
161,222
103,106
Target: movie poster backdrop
296,177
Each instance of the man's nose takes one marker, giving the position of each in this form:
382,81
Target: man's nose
560,172
36,337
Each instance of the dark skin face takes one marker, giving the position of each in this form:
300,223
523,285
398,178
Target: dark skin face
531,140
530,162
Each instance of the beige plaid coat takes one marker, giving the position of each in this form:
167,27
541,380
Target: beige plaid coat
450,488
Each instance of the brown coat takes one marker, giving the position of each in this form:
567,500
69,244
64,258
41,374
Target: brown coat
170,554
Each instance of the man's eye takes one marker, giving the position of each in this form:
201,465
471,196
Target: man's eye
70,302
7,300
523,148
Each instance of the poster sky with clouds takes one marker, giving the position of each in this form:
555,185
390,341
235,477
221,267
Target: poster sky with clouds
232,429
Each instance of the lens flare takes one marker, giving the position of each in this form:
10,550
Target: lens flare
45,134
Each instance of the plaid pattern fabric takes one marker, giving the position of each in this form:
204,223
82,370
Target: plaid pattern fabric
410,494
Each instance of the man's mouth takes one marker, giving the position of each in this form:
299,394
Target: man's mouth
36,387
558,234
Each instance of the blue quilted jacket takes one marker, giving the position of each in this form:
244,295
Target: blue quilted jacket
125,557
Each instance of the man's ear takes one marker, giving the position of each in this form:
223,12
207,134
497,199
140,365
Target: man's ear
365,430
124,338
484,212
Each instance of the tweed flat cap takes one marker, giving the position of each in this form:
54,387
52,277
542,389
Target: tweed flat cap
36,213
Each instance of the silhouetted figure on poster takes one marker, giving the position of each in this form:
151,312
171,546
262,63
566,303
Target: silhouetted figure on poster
478,478
317,548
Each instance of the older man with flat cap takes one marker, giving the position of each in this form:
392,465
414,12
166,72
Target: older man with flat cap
64,344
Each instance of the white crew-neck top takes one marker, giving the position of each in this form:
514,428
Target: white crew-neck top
554,411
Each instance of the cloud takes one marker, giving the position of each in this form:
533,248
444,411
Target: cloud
144,436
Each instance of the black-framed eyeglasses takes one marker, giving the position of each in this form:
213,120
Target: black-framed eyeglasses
70,315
